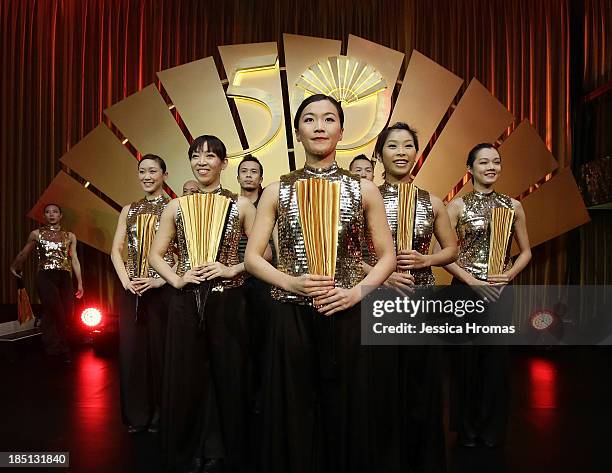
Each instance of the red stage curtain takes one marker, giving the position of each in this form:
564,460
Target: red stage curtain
63,62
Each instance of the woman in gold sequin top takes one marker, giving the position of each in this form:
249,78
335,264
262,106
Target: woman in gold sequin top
207,366
315,400
57,259
397,147
143,304
418,367
479,391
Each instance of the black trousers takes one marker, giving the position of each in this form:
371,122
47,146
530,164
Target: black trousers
315,393
423,447
55,291
205,399
387,405
142,343
479,389
258,305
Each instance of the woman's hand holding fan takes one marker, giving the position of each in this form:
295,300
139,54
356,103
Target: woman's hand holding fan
311,285
217,270
411,259
192,276
401,282
336,300
503,278
144,284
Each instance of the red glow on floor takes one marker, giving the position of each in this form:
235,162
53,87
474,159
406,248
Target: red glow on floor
543,386
91,406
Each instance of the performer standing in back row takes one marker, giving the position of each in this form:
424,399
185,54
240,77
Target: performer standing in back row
57,259
363,167
143,304
316,406
479,387
420,399
250,178
207,337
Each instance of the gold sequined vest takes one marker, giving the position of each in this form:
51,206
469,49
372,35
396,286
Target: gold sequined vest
153,207
473,232
53,248
423,228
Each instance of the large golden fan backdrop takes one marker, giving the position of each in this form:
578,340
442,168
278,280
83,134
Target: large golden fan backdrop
96,83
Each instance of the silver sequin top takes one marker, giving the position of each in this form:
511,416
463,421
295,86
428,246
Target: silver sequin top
423,227
473,232
292,251
53,248
153,207
228,252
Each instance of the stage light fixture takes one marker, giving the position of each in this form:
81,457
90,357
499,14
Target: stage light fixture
542,319
91,317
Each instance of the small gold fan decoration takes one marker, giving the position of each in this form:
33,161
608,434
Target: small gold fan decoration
203,220
145,232
319,206
344,78
405,215
501,228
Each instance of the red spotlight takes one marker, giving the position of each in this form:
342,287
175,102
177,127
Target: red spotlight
91,317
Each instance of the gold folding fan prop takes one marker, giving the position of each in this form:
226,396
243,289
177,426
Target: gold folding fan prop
319,206
145,232
501,228
203,220
405,215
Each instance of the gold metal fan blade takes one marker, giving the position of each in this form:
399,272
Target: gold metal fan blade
145,120
479,117
84,213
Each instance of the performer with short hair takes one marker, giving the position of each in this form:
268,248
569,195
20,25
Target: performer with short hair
190,187
363,167
250,177
207,348
316,405
57,259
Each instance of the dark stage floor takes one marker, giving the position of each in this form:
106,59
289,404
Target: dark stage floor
561,415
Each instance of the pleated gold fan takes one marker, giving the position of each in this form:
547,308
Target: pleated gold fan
145,232
405,216
203,220
501,228
319,205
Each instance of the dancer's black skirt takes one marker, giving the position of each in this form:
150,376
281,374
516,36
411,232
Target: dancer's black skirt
319,413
